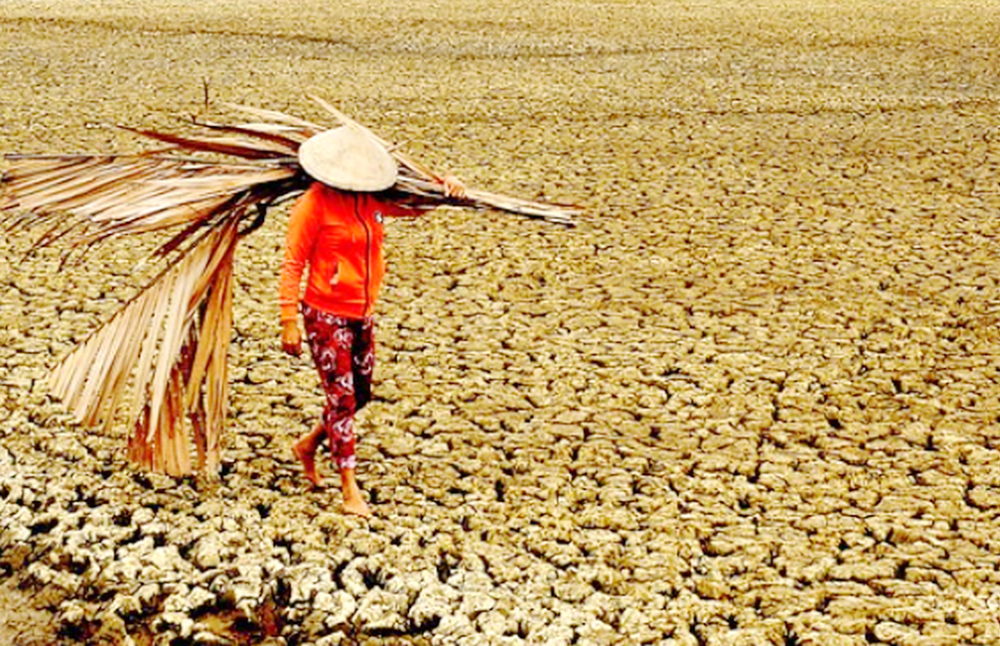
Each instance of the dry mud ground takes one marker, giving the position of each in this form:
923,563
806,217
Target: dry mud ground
751,399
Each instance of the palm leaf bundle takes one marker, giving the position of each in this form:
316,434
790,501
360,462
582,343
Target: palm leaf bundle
160,363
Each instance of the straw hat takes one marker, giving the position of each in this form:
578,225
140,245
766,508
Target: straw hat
348,159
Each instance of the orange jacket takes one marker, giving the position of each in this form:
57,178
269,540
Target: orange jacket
339,236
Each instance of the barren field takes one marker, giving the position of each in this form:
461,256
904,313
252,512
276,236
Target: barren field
752,399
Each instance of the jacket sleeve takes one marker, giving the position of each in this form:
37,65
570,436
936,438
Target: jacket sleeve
411,207
303,227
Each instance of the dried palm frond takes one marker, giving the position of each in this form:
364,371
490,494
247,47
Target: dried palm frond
162,358
93,198
172,342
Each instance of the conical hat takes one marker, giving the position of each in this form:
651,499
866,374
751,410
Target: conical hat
348,159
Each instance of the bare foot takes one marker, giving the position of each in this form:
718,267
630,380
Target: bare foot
357,506
353,502
308,460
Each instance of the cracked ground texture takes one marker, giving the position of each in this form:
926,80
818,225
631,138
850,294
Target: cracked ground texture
751,399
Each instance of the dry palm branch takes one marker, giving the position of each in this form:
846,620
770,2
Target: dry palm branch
160,363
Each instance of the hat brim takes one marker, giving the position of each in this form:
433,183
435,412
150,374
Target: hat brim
348,159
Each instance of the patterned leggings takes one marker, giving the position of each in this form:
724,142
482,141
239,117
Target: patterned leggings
344,352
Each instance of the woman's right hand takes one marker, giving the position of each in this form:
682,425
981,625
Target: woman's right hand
291,338
454,187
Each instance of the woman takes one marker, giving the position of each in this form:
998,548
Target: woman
335,229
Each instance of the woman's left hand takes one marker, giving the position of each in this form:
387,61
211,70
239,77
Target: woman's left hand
291,338
453,187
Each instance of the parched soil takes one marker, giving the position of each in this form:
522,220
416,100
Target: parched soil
753,398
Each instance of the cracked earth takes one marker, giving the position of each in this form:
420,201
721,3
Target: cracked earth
751,399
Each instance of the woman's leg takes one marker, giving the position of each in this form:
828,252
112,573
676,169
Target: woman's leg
362,367
363,360
305,450
331,340
340,432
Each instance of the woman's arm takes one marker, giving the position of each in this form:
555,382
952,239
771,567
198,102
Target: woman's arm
403,205
303,225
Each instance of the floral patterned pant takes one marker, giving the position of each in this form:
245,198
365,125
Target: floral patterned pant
344,352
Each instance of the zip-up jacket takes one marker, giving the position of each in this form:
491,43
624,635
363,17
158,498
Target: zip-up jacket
339,236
